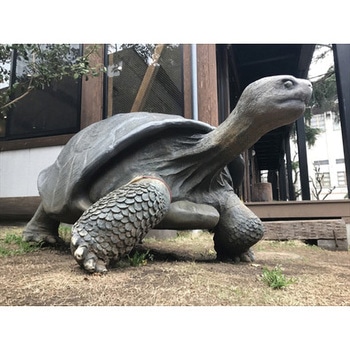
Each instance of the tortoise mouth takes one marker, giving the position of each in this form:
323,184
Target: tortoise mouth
301,97
298,102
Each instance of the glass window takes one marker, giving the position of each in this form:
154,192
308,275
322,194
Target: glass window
341,178
325,180
318,121
336,123
321,162
145,77
53,110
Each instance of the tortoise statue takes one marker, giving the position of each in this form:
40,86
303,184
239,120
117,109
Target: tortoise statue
120,177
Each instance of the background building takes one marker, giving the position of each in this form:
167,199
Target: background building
326,159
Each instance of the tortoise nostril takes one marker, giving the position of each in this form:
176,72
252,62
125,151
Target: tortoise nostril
308,84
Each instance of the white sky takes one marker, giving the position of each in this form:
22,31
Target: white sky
320,67
250,21
5,84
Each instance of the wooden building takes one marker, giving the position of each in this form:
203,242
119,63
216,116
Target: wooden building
202,82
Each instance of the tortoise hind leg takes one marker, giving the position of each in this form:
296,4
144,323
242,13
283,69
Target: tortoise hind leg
41,228
238,229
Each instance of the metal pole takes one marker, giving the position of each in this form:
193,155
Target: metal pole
342,71
291,193
304,172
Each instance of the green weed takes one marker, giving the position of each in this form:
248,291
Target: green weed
139,259
64,231
275,278
13,244
13,238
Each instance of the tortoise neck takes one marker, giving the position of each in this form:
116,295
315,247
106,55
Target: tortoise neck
202,165
229,139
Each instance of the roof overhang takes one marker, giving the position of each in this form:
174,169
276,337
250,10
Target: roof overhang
254,61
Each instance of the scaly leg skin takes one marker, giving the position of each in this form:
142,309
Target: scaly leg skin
238,229
42,228
111,227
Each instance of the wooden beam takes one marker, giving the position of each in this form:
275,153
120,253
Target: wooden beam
148,79
289,210
329,234
92,91
278,210
208,110
18,208
37,142
110,88
187,73
305,229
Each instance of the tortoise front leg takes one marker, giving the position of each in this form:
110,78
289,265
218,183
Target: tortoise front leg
238,229
112,226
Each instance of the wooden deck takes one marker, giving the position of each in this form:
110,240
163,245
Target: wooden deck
326,223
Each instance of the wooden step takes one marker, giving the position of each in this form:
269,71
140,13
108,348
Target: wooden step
329,234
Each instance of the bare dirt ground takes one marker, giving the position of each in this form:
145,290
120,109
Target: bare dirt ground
183,272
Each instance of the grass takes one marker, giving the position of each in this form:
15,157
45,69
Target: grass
64,231
275,278
12,244
195,279
139,259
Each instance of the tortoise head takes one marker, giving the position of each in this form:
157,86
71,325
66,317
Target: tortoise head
275,101
264,105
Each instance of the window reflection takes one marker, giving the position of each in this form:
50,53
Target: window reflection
145,77
53,110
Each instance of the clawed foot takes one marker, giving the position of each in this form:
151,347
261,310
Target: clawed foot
247,256
42,229
42,237
86,258
89,261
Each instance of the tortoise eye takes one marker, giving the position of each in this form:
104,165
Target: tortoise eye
288,84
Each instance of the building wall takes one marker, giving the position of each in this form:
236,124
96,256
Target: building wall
19,170
328,155
329,147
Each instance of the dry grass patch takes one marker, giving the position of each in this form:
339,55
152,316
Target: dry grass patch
183,272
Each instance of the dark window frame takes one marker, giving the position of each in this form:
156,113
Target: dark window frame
42,124
106,98
93,106
87,88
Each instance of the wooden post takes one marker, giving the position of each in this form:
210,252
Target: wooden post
246,182
304,172
262,192
92,91
187,73
110,88
207,84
